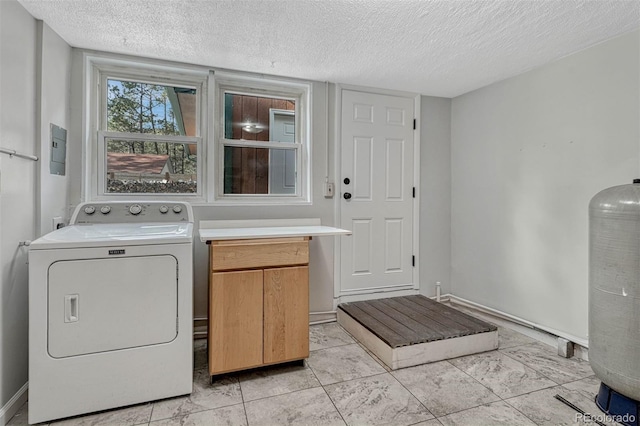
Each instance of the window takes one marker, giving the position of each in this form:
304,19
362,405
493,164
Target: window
169,131
149,139
262,140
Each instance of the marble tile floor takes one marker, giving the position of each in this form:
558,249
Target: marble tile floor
342,383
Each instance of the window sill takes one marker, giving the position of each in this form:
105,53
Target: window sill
253,202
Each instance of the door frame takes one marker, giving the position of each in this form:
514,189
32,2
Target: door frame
337,133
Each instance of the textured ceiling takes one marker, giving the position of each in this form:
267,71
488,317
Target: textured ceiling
440,48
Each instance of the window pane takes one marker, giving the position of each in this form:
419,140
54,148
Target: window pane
259,170
151,167
258,118
136,107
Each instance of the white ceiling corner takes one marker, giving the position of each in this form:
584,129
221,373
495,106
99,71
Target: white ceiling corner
438,48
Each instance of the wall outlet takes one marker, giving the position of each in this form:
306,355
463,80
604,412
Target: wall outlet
57,223
328,190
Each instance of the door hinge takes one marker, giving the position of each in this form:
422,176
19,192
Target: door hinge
414,124
414,192
413,261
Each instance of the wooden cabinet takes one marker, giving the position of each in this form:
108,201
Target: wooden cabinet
235,320
286,314
258,303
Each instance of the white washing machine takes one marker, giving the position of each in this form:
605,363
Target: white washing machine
110,309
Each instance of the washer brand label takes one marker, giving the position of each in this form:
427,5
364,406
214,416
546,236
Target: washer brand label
119,251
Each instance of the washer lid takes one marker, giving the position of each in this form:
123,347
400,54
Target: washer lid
115,234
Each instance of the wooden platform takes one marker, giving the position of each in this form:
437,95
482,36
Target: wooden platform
412,330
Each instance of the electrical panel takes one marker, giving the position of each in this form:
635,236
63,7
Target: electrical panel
57,164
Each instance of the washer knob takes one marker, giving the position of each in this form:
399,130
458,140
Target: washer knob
89,210
135,209
105,209
164,209
177,208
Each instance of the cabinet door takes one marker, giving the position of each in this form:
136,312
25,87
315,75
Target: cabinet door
286,314
235,321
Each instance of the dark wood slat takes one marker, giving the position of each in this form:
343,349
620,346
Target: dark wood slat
262,171
436,331
454,328
408,320
463,318
236,116
453,314
248,170
236,156
404,333
249,115
383,332
417,312
264,105
423,330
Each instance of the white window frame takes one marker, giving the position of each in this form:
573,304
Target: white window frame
103,68
272,88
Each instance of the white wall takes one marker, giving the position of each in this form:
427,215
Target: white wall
435,194
53,80
527,154
34,82
17,189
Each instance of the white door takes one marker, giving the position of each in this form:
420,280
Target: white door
376,193
99,305
282,162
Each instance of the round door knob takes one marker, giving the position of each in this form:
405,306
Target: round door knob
347,181
347,195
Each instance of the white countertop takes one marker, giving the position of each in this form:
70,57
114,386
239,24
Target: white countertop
212,230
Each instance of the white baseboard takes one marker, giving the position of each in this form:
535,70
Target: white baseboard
535,331
13,405
539,332
370,295
321,317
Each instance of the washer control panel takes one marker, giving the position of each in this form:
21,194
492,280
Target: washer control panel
132,212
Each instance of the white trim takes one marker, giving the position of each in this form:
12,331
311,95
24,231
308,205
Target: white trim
378,91
100,67
416,185
210,160
139,68
339,295
302,94
356,297
242,143
380,289
455,300
13,405
337,194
